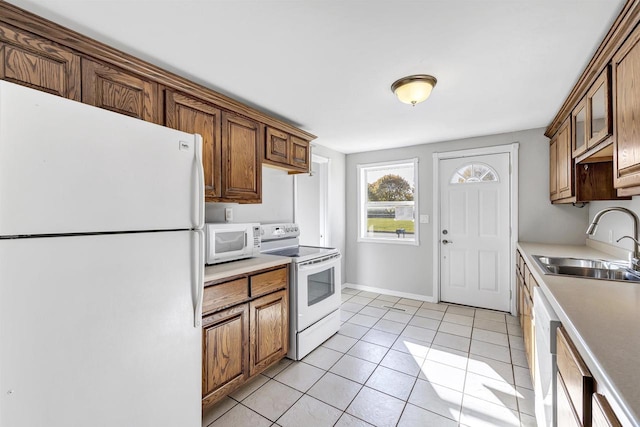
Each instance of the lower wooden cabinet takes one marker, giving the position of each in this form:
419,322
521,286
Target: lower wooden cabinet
575,377
269,336
566,414
602,414
225,365
248,333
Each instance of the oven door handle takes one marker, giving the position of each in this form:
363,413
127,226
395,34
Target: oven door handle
320,264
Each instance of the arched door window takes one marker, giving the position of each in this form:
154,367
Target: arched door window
474,172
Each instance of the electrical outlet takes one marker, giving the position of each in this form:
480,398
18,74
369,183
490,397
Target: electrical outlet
228,214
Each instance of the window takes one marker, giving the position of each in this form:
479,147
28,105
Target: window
474,172
387,199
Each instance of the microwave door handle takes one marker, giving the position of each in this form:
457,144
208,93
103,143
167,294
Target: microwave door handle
321,265
245,239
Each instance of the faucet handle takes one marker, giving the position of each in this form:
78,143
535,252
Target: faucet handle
629,237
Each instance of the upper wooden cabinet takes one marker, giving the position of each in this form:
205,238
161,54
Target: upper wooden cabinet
45,56
241,159
599,123
286,151
579,128
300,154
191,115
561,177
31,61
119,91
626,112
553,168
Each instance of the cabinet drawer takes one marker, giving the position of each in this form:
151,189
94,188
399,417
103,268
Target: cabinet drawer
576,376
264,283
225,295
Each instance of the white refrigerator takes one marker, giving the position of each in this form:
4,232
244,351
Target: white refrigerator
101,267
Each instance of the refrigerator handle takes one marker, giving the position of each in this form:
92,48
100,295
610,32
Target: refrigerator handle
199,188
198,276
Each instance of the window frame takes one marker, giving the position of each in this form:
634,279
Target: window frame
362,202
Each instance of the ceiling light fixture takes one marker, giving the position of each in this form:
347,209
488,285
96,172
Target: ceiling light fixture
414,89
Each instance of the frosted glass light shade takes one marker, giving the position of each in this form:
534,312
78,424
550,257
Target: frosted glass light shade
414,89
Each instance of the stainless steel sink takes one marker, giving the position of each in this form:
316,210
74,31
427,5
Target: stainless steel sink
587,268
572,262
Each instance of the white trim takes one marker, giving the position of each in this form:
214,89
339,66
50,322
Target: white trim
388,292
416,203
324,199
512,150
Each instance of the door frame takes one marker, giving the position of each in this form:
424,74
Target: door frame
323,173
512,150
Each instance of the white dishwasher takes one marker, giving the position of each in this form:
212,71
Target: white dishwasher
546,324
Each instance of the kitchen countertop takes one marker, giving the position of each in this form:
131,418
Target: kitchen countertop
233,268
602,318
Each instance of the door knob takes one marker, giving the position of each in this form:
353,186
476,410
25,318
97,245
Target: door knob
446,242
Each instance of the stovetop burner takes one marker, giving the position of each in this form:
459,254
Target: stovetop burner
301,251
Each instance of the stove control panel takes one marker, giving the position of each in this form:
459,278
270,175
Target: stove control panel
279,231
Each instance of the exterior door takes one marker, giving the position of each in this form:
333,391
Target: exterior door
475,227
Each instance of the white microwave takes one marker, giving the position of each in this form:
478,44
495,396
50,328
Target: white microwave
229,242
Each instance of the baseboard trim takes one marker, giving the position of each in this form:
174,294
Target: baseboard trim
389,292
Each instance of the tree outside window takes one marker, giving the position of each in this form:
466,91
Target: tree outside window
387,202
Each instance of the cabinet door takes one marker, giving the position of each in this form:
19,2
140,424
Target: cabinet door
528,332
566,414
626,92
241,154
193,116
599,109
579,128
269,330
225,337
565,162
603,415
553,169
575,375
118,91
300,153
277,146
37,63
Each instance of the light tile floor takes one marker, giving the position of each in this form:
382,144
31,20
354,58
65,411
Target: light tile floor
395,362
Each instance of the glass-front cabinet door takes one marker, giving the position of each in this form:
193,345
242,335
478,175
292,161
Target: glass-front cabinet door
579,128
599,110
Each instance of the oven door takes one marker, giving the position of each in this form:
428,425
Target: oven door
318,285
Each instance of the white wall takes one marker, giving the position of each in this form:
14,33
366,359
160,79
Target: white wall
276,206
409,268
336,201
617,223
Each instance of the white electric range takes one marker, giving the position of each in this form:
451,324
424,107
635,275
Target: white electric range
314,287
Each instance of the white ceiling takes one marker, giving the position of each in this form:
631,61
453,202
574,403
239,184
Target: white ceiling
327,65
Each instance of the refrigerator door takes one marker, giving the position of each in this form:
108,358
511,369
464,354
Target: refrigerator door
67,167
99,330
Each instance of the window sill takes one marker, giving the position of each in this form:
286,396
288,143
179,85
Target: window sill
411,242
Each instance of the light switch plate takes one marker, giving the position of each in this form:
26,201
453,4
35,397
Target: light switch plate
424,219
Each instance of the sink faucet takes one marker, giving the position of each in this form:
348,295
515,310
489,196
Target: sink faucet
635,261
